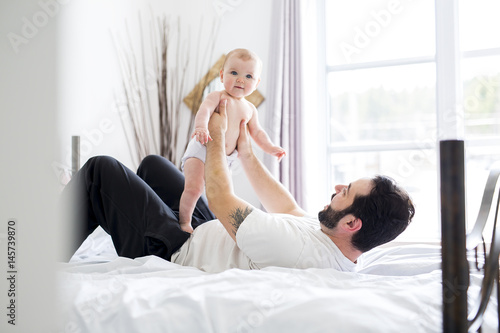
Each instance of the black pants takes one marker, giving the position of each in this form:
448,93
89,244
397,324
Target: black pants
140,211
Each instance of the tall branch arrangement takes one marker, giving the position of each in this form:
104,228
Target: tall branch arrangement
153,87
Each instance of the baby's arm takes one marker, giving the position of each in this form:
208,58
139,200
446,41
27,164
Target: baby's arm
206,109
262,139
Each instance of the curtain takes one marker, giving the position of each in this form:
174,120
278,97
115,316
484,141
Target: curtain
284,108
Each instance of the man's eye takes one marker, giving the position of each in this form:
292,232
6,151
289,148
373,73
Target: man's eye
234,73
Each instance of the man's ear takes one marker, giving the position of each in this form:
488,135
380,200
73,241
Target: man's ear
352,224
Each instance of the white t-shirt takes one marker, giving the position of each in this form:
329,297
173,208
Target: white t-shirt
262,240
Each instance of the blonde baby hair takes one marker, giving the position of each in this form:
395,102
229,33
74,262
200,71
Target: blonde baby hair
245,55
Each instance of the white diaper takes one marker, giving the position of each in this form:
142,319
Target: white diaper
199,151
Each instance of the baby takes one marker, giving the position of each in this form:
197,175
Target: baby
240,75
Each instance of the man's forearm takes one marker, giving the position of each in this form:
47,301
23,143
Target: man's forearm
217,179
227,207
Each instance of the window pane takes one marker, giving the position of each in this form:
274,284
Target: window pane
414,170
481,79
479,162
479,24
382,104
370,30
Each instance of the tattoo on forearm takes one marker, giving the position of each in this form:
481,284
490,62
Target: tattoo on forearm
237,217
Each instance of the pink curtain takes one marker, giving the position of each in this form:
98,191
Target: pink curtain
284,108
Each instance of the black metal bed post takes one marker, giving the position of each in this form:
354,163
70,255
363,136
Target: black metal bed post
454,255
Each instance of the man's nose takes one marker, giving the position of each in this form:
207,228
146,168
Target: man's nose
339,188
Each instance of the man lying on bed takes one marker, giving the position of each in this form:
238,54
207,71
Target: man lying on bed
140,212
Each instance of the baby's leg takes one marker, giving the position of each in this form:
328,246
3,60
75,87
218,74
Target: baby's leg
194,172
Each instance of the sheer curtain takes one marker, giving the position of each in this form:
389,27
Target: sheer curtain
284,120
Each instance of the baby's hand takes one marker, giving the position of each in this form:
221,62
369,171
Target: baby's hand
202,135
278,152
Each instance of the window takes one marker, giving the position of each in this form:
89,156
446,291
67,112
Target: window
384,103
480,73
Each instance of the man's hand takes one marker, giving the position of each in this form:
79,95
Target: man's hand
244,144
218,120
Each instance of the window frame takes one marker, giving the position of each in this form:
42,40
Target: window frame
450,113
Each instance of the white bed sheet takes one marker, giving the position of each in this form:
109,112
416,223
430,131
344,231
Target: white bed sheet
398,290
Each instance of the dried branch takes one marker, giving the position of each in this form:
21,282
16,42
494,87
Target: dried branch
151,134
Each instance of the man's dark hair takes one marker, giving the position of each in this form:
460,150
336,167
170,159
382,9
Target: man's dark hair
385,213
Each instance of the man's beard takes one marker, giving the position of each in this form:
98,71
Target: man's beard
330,217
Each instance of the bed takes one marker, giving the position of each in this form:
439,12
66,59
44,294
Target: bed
399,289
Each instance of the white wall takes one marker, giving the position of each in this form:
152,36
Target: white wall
28,190
59,77
89,72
